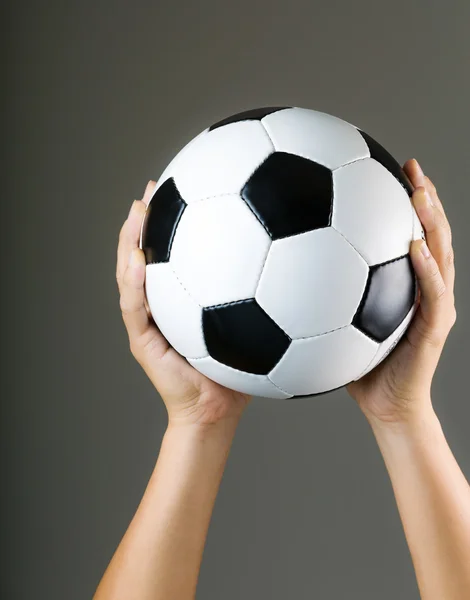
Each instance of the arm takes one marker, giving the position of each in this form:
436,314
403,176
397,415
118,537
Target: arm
160,555
433,499
432,494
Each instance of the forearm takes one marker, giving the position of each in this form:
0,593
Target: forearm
433,499
160,554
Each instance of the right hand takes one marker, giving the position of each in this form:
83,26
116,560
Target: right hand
399,389
190,397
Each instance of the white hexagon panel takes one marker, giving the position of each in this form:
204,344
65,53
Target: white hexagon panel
315,135
312,283
325,362
176,314
220,161
173,165
372,210
219,250
240,381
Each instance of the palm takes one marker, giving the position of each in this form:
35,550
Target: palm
374,392
388,388
187,391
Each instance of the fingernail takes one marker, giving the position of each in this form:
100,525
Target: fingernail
151,183
419,168
425,250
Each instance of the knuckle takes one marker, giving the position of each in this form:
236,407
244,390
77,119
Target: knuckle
440,291
125,278
446,234
130,280
437,287
150,347
436,279
141,347
452,317
444,223
436,339
440,219
124,305
430,334
449,258
134,348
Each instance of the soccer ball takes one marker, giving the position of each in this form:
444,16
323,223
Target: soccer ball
277,251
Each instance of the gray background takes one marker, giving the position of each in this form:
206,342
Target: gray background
100,95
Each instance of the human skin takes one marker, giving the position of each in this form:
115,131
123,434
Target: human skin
159,556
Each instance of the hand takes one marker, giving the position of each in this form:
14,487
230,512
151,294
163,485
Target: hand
189,396
399,388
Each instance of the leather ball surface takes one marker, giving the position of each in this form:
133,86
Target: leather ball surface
277,250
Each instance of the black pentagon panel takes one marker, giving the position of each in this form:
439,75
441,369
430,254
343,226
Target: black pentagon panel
255,114
161,220
290,194
241,335
378,153
388,298
318,393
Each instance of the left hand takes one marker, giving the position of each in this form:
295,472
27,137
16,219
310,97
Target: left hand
399,388
189,396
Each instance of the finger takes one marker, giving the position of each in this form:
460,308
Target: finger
431,284
436,314
129,237
133,295
143,333
149,191
126,235
120,263
438,235
414,171
431,188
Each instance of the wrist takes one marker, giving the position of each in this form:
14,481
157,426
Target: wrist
390,412
206,413
421,423
223,429
198,447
